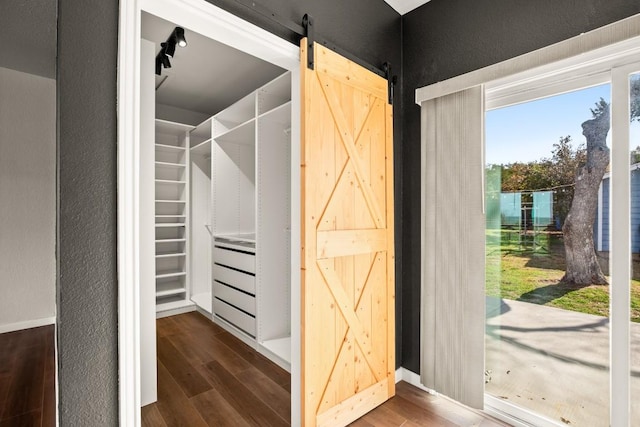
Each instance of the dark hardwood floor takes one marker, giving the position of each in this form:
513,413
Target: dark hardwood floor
206,376
27,378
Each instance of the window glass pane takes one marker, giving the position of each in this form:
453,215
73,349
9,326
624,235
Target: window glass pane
547,330
634,142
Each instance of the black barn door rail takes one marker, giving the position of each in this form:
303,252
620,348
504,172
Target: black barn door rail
307,29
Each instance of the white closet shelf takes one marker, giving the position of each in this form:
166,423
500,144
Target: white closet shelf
170,181
172,128
244,133
169,165
274,93
201,132
169,292
170,255
173,304
203,148
170,201
237,113
232,238
169,274
279,115
170,224
281,347
203,301
170,240
169,148
171,216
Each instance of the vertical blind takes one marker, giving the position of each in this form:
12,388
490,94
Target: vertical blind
453,245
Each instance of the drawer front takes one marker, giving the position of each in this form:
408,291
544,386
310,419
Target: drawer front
237,279
235,259
235,317
235,297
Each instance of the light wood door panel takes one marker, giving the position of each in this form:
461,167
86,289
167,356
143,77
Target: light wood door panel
348,338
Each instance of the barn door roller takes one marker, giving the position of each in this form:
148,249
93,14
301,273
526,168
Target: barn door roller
391,80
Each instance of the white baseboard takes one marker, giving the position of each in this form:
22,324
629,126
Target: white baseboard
27,324
403,374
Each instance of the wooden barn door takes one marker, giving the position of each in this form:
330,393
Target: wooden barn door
348,339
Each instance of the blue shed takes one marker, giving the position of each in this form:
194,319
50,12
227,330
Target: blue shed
601,226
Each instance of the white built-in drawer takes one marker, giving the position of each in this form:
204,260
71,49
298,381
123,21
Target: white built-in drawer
235,278
234,316
244,302
240,260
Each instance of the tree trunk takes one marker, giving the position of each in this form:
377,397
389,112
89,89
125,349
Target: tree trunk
582,264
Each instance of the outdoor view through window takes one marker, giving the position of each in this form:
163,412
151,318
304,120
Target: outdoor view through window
547,260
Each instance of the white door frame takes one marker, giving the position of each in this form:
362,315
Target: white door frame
217,24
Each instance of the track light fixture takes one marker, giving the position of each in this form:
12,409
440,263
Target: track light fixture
164,56
178,33
168,49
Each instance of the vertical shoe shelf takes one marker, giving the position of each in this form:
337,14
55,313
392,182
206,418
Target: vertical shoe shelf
171,215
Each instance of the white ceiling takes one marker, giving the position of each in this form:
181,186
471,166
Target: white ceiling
205,76
405,6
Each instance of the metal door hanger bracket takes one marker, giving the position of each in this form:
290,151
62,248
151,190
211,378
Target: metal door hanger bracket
391,80
307,23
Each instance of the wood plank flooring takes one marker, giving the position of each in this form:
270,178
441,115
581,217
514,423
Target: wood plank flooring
27,378
206,376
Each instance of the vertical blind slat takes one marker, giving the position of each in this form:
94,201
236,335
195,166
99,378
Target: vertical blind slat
453,303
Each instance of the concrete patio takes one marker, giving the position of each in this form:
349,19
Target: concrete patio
554,362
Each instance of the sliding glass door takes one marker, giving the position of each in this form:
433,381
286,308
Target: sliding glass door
562,198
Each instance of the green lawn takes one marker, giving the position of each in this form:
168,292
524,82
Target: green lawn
532,273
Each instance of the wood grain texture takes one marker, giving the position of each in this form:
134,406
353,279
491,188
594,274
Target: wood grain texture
206,376
259,394
348,286
27,377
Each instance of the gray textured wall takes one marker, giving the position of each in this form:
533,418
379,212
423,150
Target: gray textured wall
87,287
445,38
87,144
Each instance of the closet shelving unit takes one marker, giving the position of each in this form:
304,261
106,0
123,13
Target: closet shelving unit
273,199
200,211
171,216
247,148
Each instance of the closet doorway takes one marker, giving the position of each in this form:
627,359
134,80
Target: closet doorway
218,130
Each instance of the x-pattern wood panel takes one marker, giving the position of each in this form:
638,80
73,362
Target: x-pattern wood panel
348,311
347,265
349,141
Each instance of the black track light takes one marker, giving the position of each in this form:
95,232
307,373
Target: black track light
169,49
163,56
178,34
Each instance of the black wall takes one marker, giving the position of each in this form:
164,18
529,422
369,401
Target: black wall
445,38
87,155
